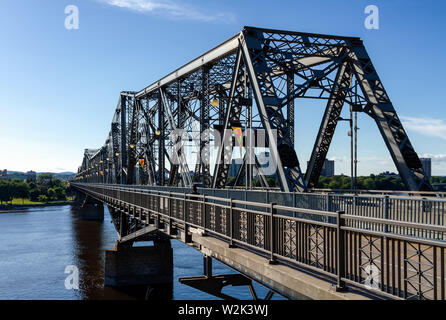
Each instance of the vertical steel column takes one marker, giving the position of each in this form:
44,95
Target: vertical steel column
161,142
340,252
123,138
386,212
207,266
204,129
273,211
352,161
251,139
290,106
231,223
356,152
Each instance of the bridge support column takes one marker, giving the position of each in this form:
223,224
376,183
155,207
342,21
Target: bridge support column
91,209
132,266
79,199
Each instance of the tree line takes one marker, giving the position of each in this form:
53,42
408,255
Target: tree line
45,189
372,182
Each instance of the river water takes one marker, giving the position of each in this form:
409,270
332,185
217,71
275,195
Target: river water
37,245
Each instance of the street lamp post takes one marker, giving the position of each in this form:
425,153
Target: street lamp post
352,173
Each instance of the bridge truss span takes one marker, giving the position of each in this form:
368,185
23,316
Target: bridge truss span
250,82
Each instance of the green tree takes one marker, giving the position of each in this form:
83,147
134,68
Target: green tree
272,181
34,194
44,178
5,192
42,198
22,191
51,193
369,183
61,193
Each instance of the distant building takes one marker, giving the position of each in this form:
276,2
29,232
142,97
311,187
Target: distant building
388,174
427,166
4,175
234,167
31,176
328,168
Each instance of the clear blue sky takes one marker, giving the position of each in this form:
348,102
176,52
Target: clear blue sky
59,87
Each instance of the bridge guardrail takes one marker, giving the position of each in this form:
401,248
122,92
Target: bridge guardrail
397,265
405,209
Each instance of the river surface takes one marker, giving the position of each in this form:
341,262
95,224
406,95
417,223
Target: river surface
37,245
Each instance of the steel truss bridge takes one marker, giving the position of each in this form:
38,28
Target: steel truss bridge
377,245
251,81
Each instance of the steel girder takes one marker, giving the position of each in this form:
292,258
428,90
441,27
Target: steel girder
177,155
267,99
274,67
204,129
381,109
328,125
232,118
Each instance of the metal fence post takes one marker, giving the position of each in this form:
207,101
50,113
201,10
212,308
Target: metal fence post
386,212
340,252
273,211
203,216
329,198
187,238
170,214
231,223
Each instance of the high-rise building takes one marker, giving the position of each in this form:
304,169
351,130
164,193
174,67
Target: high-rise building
234,167
328,168
427,166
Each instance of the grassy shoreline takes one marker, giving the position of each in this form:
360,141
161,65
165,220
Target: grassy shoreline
18,204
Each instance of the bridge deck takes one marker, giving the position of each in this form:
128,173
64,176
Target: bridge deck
381,263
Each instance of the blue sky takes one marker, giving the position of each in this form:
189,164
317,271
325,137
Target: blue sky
59,87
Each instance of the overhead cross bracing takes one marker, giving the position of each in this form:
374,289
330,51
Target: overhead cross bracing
251,81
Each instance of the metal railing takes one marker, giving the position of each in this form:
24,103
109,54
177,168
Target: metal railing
433,194
395,265
399,208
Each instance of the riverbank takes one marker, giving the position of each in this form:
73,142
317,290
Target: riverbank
29,205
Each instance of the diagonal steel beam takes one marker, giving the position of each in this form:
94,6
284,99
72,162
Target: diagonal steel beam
224,153
289,173
178,155
381,109
328,124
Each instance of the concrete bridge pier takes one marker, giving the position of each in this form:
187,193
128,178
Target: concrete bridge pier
79,199
150,266
91,209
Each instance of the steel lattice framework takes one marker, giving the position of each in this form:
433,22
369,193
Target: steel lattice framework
255,76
